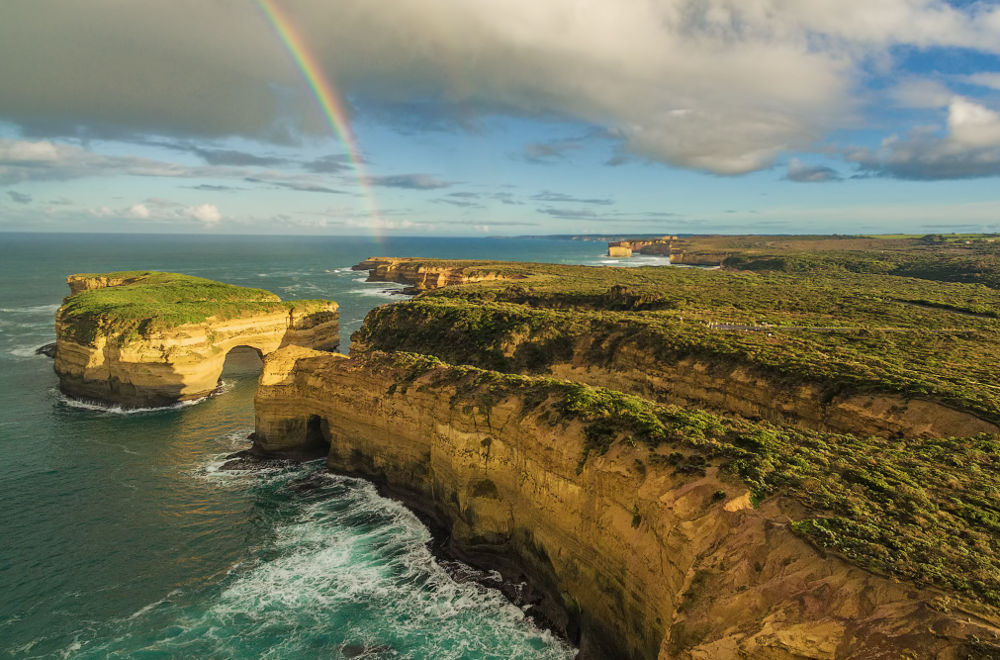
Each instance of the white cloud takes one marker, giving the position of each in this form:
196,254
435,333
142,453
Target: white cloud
45,160
989,79
28,160
720,85
969,148
921,93
160,210
206,213
972,125
140,211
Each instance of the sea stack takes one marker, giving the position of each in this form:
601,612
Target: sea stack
147,339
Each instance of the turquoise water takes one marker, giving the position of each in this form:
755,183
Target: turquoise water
121,538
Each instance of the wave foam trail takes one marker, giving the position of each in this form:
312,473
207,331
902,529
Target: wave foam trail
348,574
27,351
118,410
392,294
36,309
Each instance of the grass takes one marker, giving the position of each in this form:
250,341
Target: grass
157,301
968,258
915,316
925,510
890,334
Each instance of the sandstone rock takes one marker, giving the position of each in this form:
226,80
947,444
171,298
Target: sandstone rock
156,366
422,277
633,559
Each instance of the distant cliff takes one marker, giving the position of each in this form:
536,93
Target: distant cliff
617,349
143,338
625,248
426,274
641,528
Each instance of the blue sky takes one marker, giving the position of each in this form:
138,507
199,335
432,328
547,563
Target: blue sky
475,118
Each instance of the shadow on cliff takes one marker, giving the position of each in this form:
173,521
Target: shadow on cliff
242,362
166,386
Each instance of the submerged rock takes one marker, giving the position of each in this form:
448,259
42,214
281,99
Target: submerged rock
48,350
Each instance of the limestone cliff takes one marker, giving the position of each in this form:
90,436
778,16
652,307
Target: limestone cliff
423,275
636,557
679,256
625,248
625,359
129,350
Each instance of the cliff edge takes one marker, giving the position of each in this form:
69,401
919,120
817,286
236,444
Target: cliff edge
426,274
687,463
646,531
146,338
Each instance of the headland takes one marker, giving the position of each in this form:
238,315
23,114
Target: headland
684,462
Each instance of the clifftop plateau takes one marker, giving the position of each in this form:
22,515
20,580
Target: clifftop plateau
145,338
687,463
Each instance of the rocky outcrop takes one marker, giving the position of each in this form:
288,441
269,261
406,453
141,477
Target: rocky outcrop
156,366
421,275
634,558
625,248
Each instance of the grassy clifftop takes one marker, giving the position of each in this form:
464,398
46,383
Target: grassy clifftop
919,508
926,511
970,258
849,331
151,301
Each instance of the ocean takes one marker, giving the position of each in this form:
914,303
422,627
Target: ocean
122,538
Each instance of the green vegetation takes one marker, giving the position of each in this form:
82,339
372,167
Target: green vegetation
843,332
153,301
917,316
927,510
969,258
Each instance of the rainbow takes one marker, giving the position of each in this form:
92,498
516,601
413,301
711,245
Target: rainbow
326,96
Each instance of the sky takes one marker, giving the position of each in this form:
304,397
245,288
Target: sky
480,117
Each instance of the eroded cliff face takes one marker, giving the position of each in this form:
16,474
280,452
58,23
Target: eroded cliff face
634,559
741,390
721,385
420,277
78,283
159,368
679,256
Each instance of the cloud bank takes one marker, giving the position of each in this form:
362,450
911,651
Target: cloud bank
969,148
724,86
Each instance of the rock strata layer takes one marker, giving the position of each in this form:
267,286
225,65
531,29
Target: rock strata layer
420,275
624,361
636,559
145,364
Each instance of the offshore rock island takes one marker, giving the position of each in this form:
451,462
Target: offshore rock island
687,463
149,339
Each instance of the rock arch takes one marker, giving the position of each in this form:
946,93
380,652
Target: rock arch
158,367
